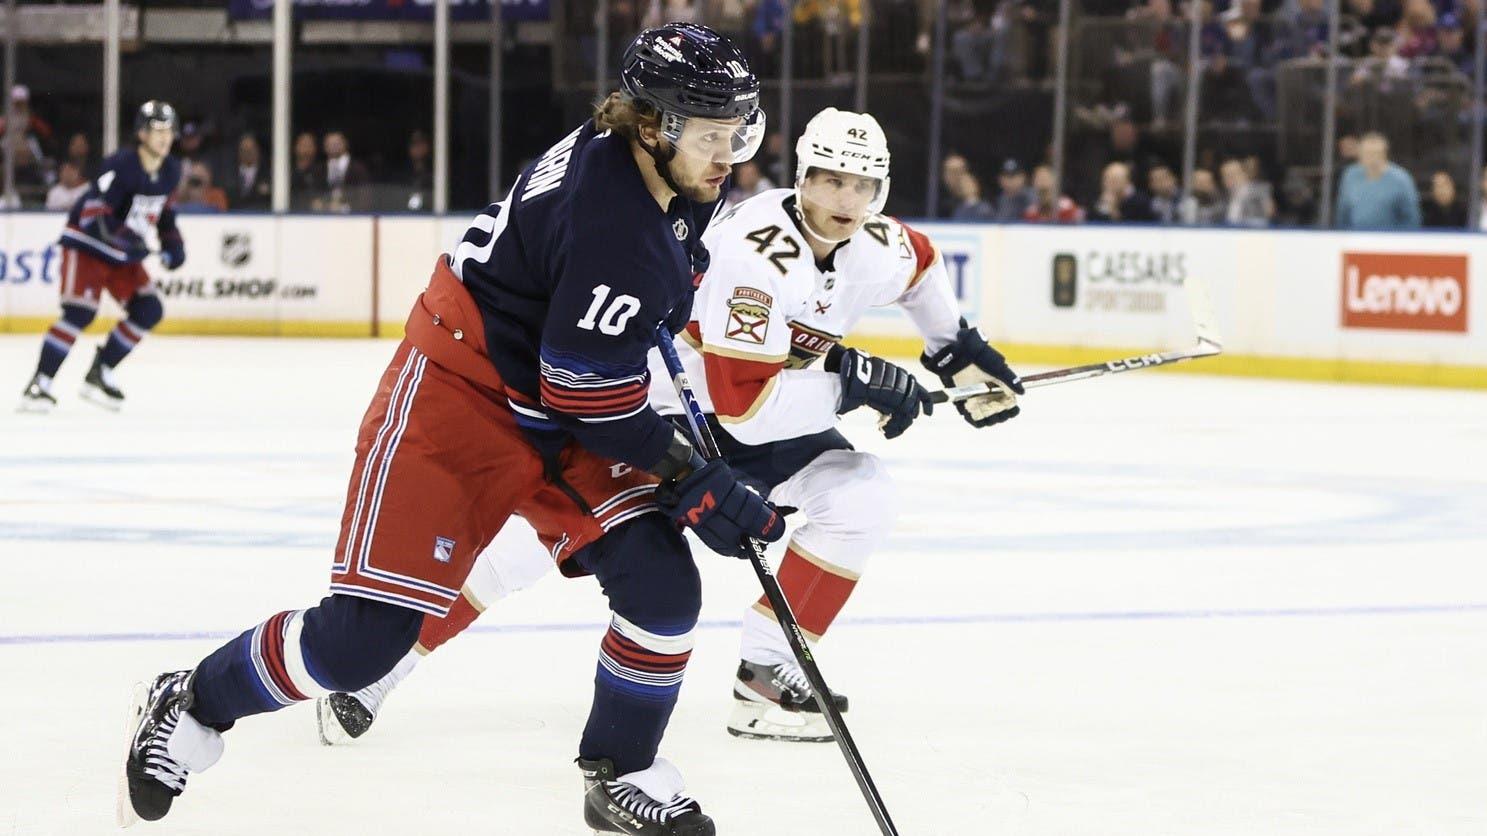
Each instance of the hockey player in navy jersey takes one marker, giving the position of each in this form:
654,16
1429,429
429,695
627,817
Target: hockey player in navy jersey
521,388
126,213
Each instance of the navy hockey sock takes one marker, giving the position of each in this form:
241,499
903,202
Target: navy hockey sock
655,594
61,336
145,312
344,643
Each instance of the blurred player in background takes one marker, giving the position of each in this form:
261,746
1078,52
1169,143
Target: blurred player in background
792,272
521,388
123,216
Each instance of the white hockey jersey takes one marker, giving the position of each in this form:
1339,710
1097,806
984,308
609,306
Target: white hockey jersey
766,311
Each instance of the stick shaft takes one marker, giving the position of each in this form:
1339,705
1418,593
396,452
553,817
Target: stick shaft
1204,348
708,445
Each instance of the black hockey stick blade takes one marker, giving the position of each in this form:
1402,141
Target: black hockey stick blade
702,435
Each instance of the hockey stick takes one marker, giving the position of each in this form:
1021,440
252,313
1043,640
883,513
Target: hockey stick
1208,344
702,434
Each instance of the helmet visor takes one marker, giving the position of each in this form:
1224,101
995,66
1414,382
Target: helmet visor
840,200
729,141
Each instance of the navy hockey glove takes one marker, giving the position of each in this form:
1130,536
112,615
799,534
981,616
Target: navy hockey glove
875,382
713,503
970,360
172,258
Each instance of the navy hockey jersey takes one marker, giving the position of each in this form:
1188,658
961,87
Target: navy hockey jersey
572,272
125,210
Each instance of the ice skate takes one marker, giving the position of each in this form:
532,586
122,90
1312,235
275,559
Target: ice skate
777,703
633,803
341,718
100,388
164,743
38,395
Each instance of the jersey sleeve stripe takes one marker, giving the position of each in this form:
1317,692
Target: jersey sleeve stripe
739,388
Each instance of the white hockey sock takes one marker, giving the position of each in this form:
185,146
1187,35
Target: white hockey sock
372,696
193,745
764,640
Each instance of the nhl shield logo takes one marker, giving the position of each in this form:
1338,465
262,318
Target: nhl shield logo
680,228
237,248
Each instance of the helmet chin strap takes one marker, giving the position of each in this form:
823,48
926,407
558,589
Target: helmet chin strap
663,159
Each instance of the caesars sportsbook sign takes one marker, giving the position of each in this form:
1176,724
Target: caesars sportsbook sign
1405,291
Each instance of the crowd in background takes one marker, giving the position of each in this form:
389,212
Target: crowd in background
219,174
1371,193
1405,75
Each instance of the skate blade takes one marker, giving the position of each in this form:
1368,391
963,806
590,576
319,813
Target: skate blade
30,407
96,396
767,721
328,726
124,814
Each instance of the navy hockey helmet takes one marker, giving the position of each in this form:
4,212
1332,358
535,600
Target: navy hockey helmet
688,71
155,114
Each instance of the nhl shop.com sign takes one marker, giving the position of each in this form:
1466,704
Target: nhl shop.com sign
1405,291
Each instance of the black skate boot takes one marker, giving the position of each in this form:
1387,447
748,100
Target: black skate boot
165,743
38,395
778,703
341,718
99,386
631,803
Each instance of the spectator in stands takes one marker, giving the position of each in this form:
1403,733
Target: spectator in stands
250,188
970,205
69,187
979,48
1417,36
1304,33
953,169
1452,44
305,179
80,153
197,194
346,180
1375,193
418,174
1120,201
1373,14
1166,194
1204,205
1166,51
188,146
25,136
747,182
1383,69
1251,41
1443,209
769,23
1015,195
1247,203
1049,206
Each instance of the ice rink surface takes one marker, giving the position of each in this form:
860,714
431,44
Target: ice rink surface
1153,604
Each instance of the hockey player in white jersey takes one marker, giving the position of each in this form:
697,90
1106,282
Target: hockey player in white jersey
792,271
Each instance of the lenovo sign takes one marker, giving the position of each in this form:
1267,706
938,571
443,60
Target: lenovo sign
1410,291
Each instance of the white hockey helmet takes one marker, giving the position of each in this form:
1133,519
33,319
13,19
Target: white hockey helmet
840,140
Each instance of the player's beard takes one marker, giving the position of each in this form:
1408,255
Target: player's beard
700,191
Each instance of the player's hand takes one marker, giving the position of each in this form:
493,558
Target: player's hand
172,258
887,388
970,360
722,510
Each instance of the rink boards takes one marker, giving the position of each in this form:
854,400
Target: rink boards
1385,307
